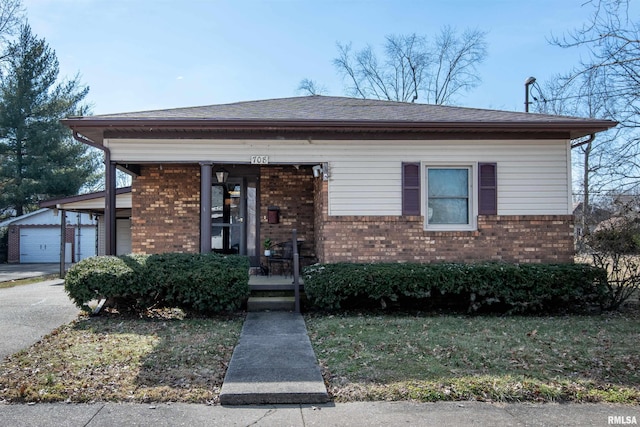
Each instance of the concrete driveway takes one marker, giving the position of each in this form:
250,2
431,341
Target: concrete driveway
10,272
29,312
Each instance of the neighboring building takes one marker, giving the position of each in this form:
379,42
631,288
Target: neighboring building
92,204
35,237
360,180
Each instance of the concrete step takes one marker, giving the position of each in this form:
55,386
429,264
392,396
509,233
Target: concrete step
273,303
274,287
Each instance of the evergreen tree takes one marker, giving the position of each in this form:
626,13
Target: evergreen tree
38,157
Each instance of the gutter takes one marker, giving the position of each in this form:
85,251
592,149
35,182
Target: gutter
580,144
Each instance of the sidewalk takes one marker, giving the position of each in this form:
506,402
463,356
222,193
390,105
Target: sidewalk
370,414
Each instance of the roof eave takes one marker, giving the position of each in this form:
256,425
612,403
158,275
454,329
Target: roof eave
95,128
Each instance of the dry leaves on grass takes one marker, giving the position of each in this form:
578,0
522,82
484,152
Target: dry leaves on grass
124,359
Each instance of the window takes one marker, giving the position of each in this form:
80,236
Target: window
454,193
449,201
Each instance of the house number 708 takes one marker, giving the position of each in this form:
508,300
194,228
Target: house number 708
259,160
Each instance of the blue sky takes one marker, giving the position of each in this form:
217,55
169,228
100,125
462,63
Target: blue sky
153,54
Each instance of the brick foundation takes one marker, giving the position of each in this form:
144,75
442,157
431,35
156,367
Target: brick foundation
165,214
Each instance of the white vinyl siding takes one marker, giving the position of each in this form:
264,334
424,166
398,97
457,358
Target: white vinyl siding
123,236
365,176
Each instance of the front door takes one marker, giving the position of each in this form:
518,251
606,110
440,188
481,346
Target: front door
227,218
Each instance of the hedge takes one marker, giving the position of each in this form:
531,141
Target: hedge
198,282
497,287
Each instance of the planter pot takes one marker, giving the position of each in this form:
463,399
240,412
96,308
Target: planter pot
267,252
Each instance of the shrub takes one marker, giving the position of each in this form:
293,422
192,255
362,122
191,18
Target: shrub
99,277
198,282
525,288
615,247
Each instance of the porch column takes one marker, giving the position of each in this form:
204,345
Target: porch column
205,206
63,242
110,206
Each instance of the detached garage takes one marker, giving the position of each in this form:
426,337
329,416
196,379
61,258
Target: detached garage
35,237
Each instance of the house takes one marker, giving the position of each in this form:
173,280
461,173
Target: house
93,204
35,237
360,180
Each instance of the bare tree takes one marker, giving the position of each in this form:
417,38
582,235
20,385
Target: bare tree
612,41
596,154
12,15
311,87
457,58
412,66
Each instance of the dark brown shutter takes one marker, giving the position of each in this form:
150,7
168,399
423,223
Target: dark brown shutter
410,188
488,189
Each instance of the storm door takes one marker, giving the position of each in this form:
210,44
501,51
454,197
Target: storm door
228,207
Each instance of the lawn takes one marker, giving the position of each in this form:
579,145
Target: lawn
430,358
111,358
363,356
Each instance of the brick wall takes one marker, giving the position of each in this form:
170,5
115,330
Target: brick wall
13,250
526,239
165,214
292,190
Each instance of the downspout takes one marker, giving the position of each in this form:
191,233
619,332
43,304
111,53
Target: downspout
110,194
585,180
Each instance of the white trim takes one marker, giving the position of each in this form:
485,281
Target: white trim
471,168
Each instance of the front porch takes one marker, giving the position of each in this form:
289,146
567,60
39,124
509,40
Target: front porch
184,208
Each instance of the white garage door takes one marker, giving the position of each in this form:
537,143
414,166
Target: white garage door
39,245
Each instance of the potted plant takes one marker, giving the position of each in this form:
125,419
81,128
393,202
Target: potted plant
267,246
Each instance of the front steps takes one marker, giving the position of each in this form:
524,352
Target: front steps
274,303
275,293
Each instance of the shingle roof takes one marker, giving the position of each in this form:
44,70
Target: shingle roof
329,114
323,108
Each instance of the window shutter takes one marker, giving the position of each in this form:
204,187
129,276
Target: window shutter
410,188
488,189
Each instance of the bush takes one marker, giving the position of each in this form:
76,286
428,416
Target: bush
198,282
615,247
525,288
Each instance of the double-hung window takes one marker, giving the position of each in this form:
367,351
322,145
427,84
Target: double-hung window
449,196
449,201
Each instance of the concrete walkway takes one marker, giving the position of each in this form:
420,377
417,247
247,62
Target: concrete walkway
273,362
369,414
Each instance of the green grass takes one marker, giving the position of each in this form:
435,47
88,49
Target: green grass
364,357
429,358
124,359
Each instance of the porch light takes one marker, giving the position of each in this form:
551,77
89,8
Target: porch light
222,174
321,171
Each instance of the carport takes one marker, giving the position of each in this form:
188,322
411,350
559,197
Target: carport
94,204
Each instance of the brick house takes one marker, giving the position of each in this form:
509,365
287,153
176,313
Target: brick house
360,180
